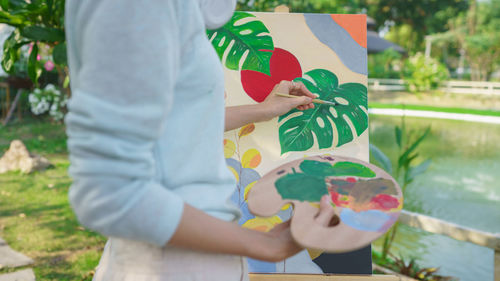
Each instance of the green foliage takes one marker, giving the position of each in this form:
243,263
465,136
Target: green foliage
476,32
405,36
297,127
299,6
424,74
387,64
406,170
247,37
410,268
423,17
36,22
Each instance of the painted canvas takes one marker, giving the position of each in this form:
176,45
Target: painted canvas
325,52
366,200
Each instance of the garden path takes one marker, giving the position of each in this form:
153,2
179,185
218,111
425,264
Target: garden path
12,259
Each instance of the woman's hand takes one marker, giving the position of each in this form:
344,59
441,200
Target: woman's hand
282,245
277,105
272,106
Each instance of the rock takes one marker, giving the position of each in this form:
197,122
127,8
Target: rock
21,275
19,158
11,258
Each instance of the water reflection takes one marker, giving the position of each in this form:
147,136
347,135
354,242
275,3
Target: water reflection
462,186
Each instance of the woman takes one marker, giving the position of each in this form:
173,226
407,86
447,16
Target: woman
145,127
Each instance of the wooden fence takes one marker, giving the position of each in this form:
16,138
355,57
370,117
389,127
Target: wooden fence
455,87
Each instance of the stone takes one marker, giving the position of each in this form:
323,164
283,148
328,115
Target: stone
17,157
21,275
11,258
2,242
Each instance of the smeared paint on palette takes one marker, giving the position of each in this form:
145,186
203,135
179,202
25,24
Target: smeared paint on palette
366,199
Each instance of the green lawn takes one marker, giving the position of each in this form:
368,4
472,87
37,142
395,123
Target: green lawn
35,216
435,108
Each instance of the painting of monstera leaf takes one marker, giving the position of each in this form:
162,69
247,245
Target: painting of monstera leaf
243,38
325,124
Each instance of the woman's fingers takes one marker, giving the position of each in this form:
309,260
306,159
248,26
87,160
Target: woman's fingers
299,89
326,211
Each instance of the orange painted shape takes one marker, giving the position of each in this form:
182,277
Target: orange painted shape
355,25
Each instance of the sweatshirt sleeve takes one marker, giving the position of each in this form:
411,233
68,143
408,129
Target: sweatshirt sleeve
127,53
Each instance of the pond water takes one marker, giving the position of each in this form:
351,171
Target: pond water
462,185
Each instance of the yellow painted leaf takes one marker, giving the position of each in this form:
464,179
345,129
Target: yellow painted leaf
284,208
314,253
247,189
246,130
251,158
229,148
262,224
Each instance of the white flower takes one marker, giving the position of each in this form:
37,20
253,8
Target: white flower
37,91
43,106
53,107
32,98
50,87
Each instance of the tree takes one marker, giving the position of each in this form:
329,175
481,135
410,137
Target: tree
418,17
476,31
301,6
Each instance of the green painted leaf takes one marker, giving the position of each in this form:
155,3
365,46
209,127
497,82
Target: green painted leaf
250,37
325,169
302,187
297,127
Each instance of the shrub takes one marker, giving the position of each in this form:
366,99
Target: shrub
386,64
423,74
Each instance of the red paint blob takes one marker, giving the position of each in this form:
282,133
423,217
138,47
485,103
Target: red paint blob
336,199
384,202
283,66
350,180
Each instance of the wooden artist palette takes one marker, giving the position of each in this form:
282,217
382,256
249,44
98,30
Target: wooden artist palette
366,199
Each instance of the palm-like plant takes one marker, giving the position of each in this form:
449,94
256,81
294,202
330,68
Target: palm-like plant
406,170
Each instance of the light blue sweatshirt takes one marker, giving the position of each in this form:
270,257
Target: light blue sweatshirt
146,117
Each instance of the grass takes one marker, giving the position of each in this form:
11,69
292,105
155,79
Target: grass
35,216
435,108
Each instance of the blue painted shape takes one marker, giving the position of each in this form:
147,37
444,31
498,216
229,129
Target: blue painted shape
371,220
260,266
247,176
339,40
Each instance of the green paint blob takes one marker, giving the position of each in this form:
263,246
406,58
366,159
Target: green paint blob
302,187
316,168
326,169
352,169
